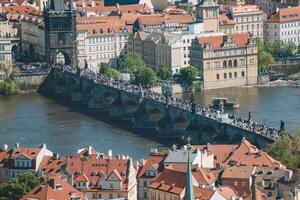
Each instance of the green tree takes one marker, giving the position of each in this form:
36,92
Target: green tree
145,76
188,75
130,62
109,71
15,189
264,56
287,150
164,72
8,87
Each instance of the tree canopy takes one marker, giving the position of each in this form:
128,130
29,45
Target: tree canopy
188,75
164,72
287,150
145,76
130,62
264,57
109,71
15,189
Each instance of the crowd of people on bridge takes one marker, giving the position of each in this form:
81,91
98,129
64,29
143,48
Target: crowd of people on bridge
182,104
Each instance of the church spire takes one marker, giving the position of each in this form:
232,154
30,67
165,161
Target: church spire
189,190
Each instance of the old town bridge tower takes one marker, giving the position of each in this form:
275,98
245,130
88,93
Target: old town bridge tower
60,33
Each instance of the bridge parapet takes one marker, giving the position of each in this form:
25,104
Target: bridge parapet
148,109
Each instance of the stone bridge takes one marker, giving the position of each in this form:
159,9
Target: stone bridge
166,121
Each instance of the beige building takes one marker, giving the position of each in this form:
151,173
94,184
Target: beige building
33,38
207,13
225,61
248,19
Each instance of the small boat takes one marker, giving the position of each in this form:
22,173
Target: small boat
218,103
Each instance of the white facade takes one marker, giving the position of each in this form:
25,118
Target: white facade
6,50
287,32
248,21
101,48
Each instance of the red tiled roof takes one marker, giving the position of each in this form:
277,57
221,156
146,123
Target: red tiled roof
95,164
154,158
241,39
286,15
238,172
28,152
45,191
51,165
202,193
164,19
21,10
227,192
249,155
244,8
221,152
225,20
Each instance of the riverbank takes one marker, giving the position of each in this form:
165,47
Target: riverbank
281,83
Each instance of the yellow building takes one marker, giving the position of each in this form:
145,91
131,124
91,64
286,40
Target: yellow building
225,61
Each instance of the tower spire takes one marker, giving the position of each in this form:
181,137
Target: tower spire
189,190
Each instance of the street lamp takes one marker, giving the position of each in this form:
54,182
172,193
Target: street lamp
167,91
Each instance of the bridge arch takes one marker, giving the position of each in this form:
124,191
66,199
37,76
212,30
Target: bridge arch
62,57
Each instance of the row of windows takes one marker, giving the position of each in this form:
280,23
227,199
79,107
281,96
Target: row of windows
102,56
248,27
22,163
229,75
247,19
99,196
103,39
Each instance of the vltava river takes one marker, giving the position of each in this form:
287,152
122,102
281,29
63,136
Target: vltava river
33,119
267,105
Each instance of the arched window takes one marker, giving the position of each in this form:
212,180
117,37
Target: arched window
225,75
218,76
235,74
230,63
243,74
230,75
224,63
235,62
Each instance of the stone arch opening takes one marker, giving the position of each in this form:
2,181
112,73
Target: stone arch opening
180,123
225,64
62,58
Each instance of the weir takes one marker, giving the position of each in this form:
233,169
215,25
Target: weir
148,110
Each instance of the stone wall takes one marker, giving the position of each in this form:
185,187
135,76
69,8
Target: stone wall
29,82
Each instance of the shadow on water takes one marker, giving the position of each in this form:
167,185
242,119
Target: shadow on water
127,125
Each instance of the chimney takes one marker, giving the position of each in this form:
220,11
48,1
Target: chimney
109,153
93,3
208,146
5,147
74,5
253,187
70,179
89,150
17,145
44,146
118,8
56,156
83,4
288,175
52,183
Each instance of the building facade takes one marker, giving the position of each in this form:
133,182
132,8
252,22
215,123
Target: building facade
248,19
284,26
225,61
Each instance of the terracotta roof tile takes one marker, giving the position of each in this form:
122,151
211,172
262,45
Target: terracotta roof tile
286,15
45,190
154,158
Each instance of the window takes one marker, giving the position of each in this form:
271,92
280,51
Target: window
225,64
235,74
99,196
111,186
230,75
145,184
230,63
218,76
145,195
243,183
208,65
110,196
243,74
235,183
225,75
235,63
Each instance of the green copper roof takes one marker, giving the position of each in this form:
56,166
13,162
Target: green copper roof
189,190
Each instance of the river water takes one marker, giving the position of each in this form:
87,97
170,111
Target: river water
267,105
32,119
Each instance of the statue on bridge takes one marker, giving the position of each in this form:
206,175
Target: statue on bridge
282,127
193,104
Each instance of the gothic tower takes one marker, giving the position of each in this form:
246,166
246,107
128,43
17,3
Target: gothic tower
208,13
60,33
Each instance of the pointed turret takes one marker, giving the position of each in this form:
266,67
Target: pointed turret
189,190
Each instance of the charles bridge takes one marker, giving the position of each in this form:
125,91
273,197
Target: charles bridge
147,110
